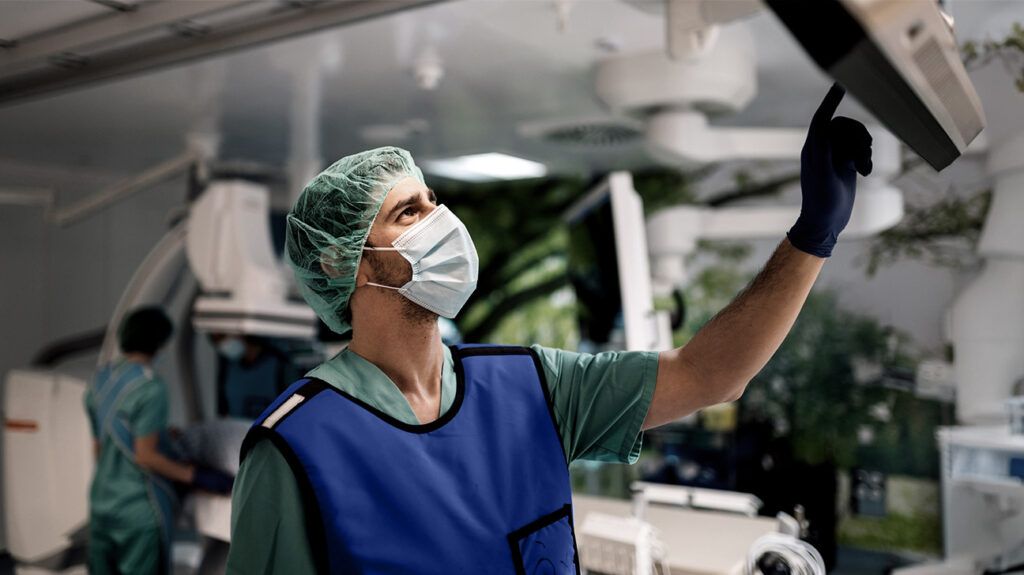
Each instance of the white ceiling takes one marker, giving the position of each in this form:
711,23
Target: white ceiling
505,63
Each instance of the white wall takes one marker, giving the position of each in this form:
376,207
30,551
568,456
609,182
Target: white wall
23,263
60,282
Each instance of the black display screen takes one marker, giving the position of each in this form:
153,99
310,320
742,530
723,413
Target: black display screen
594,274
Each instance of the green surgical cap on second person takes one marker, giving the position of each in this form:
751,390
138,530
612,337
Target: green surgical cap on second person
328,225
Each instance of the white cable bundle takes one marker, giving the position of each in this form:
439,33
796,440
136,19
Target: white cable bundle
800,556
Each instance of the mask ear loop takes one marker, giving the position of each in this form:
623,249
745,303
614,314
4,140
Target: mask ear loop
382,286
372,249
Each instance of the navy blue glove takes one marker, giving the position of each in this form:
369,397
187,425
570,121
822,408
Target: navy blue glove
212,480
836,149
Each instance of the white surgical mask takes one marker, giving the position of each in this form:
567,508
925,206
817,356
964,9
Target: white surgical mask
232,348
443,259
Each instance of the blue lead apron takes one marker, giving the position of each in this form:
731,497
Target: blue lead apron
483,489
113,385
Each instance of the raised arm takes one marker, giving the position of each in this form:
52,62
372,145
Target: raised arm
719,362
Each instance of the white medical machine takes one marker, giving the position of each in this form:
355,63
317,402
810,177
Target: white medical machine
241,287
686,530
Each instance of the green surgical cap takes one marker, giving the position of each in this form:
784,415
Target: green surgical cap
330,221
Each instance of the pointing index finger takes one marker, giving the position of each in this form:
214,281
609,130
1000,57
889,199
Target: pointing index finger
828,106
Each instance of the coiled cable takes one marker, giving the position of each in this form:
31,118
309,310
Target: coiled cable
776,553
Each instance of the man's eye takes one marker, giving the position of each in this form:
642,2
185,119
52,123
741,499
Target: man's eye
409,212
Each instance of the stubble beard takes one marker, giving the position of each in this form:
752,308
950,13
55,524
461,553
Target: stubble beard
398,274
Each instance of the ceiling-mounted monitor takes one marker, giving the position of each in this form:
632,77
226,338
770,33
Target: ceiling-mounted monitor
900,59
609,270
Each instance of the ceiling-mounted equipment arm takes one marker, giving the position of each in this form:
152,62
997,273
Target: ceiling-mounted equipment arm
155,175
684,136
692,25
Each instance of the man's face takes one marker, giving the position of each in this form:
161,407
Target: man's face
408,202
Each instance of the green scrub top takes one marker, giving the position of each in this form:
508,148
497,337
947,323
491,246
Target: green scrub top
600,402
118,498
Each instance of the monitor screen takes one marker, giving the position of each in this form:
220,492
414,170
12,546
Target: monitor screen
594,275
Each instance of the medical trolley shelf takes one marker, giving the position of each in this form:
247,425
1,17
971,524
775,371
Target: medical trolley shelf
988,459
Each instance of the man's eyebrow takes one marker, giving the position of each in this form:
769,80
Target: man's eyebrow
407,202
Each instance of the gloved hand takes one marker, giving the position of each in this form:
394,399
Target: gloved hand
212,480
835,150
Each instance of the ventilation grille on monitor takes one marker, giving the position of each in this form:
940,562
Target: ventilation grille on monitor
931,60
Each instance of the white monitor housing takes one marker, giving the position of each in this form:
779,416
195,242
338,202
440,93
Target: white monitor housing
900,60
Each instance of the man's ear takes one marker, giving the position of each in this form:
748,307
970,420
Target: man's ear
329,263
363,273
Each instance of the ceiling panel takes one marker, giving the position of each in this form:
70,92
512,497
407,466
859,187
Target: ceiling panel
23,18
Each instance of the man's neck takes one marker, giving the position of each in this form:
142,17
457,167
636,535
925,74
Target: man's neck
408,353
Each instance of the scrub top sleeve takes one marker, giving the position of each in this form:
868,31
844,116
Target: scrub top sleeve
600,401
268,526
148,408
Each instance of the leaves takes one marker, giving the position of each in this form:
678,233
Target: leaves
519,236
943,233
1009,50
809,389
662,188
747,187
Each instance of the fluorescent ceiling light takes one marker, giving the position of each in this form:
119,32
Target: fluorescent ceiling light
486,168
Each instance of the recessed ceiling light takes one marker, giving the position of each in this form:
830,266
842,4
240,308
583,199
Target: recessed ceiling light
486,167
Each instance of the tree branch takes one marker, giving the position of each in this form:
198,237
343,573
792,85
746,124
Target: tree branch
496,274
767,188
509,303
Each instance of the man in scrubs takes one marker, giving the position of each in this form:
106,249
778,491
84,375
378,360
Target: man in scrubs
400,455
131,501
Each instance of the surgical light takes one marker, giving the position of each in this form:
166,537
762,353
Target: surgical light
486,167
